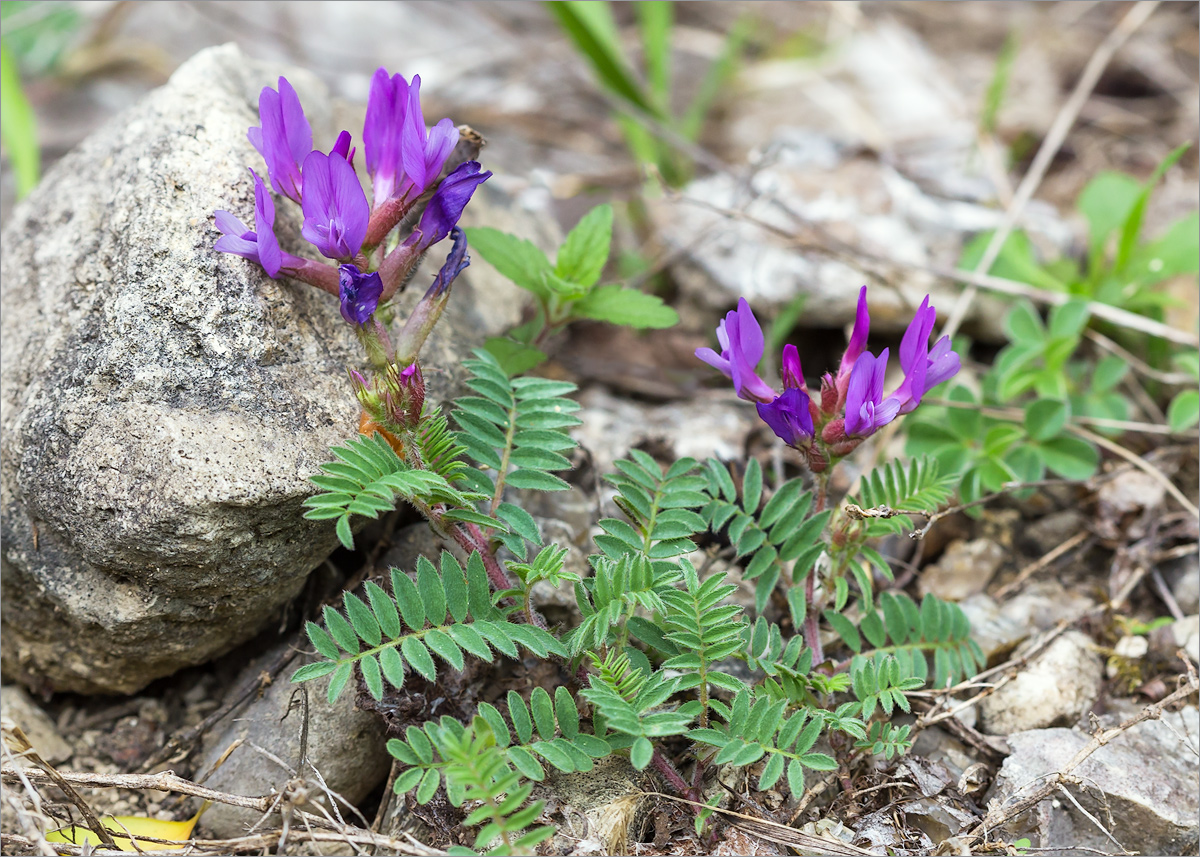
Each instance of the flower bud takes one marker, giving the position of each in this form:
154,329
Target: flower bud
835,432
405,396
829,395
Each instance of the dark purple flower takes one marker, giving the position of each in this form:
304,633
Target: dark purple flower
284,139
260,244
789,417
387,105
858,338
742,344
335,208
456,262
359,293
866,409
447,203
423,153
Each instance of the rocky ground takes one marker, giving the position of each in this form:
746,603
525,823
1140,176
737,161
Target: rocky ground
860,118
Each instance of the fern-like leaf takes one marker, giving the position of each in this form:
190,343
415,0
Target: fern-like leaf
659,506
782,533
366,480
406,629
917,486
514,429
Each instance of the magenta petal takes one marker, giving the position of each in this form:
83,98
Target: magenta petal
448,201
749,333
412,138
916,336
269,254
442,140
297,131
858,394
791,371
230,225
858,337
714,360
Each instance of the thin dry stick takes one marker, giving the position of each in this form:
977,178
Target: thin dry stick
1000,814
16,736
1010,668
163,782
259,843
772,830
1141,464
1037,565
1053,141
1135,363
1062,788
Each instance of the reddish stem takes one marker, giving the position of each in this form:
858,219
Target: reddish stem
812,635
672,776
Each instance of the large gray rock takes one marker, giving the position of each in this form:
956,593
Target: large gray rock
1144,787
345,744
1055,688
165,404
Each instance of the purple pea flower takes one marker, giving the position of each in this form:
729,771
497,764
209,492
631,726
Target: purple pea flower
448,201
923,369
423,153
284,139
789,416
387,105
359,293
742,344
866,409
858,339
335,208
260,244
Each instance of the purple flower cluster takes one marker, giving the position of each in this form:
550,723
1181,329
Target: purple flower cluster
404,160
851,405
407,165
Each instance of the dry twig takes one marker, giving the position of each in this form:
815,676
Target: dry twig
1052,142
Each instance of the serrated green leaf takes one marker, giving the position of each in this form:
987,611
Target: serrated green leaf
627,307
518,260
585,251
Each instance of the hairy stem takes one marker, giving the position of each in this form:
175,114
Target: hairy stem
812,636
672,776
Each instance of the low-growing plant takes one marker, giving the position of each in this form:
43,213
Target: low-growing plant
666,664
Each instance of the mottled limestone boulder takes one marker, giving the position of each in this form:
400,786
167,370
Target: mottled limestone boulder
165,404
